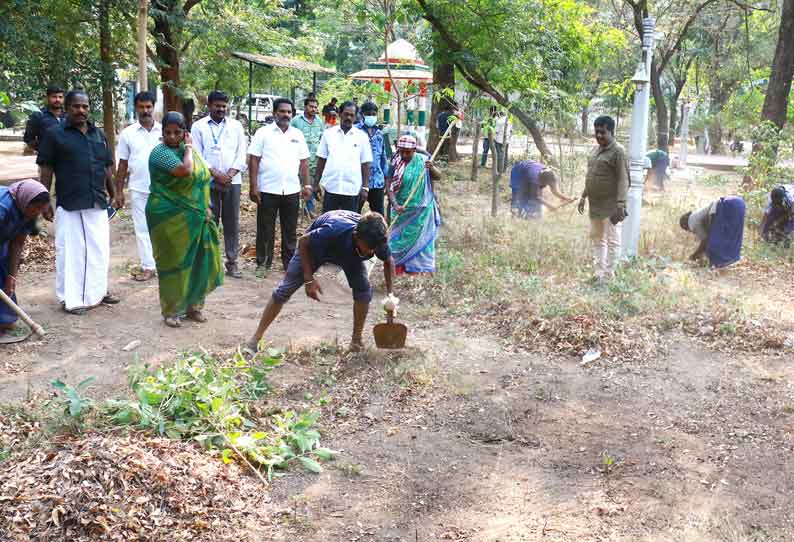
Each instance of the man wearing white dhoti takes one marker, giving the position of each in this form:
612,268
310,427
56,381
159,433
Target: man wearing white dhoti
135,145
77,153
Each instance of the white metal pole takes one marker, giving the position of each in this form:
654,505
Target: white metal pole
638,140
684,152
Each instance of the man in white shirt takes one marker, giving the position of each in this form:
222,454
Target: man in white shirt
135,144
222,143
278,164
504,131
343,159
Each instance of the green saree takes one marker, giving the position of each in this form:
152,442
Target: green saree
185,243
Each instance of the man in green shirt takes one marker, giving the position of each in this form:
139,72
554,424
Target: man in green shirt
606,185
312,127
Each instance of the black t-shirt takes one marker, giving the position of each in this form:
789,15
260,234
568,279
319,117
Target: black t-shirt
79,161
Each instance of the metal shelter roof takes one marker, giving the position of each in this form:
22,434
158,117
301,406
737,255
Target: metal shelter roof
281,62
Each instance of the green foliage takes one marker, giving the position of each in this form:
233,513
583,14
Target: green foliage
71,406
344,89
772,147
209,400
543,46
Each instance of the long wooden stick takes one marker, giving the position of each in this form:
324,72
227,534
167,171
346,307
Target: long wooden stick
37,329
443,138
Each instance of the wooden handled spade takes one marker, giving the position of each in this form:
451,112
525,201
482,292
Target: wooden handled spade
37,329
390,335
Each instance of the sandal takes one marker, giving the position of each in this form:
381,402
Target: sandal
143,276
79,311
196,315
172,321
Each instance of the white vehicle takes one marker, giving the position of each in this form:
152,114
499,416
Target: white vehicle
261,108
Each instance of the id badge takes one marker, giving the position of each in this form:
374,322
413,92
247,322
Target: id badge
214,156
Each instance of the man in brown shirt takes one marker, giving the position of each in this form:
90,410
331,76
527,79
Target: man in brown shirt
606,184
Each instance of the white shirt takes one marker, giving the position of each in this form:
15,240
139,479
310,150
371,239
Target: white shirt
223,146
135,145
344,154
503,130
280,156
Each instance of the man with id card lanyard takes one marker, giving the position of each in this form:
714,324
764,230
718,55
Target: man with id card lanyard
222,143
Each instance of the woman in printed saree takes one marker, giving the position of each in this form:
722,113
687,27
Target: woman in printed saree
415,217
20,204
184,236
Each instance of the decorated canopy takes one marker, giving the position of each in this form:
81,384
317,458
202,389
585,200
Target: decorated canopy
411,77
404,63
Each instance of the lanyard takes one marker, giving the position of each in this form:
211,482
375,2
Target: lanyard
215,139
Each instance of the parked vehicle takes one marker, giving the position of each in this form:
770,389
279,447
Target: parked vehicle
261,108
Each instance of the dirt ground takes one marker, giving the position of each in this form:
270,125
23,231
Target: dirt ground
461,436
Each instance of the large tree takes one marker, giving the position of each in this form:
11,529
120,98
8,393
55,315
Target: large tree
777,93
675,19
515,51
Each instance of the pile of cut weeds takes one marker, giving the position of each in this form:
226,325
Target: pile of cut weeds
99,487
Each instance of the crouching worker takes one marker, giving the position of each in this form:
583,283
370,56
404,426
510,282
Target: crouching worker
720,228
778,222
343,238
528,178
20,205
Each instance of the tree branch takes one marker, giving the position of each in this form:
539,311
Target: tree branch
682,35
190,4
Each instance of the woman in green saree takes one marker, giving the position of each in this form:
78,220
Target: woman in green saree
415,218
184,236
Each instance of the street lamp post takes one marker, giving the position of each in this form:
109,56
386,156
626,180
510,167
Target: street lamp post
638,140
682,154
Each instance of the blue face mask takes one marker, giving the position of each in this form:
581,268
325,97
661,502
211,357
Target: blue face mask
370,121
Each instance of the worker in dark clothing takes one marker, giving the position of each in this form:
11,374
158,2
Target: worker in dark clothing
44,119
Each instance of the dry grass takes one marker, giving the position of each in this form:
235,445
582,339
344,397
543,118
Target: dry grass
537,273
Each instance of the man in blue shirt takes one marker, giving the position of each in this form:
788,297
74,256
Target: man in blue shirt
342,238
380,163
528,178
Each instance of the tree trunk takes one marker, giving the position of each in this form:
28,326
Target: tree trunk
475,146
479,80
143,15
108,118
494,175
673,119
662,117
586,120
443,79
452,147
776,100
534,130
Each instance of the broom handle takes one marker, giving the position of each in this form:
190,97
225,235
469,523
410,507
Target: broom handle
441,141
37,329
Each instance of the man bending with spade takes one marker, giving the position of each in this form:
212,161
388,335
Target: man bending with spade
343,238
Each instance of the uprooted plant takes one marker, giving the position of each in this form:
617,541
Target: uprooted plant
211,401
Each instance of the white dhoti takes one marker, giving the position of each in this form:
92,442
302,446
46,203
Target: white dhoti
82,257
145,253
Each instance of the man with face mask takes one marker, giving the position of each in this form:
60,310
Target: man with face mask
278,166
41,121
222,142
135,144
379,161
